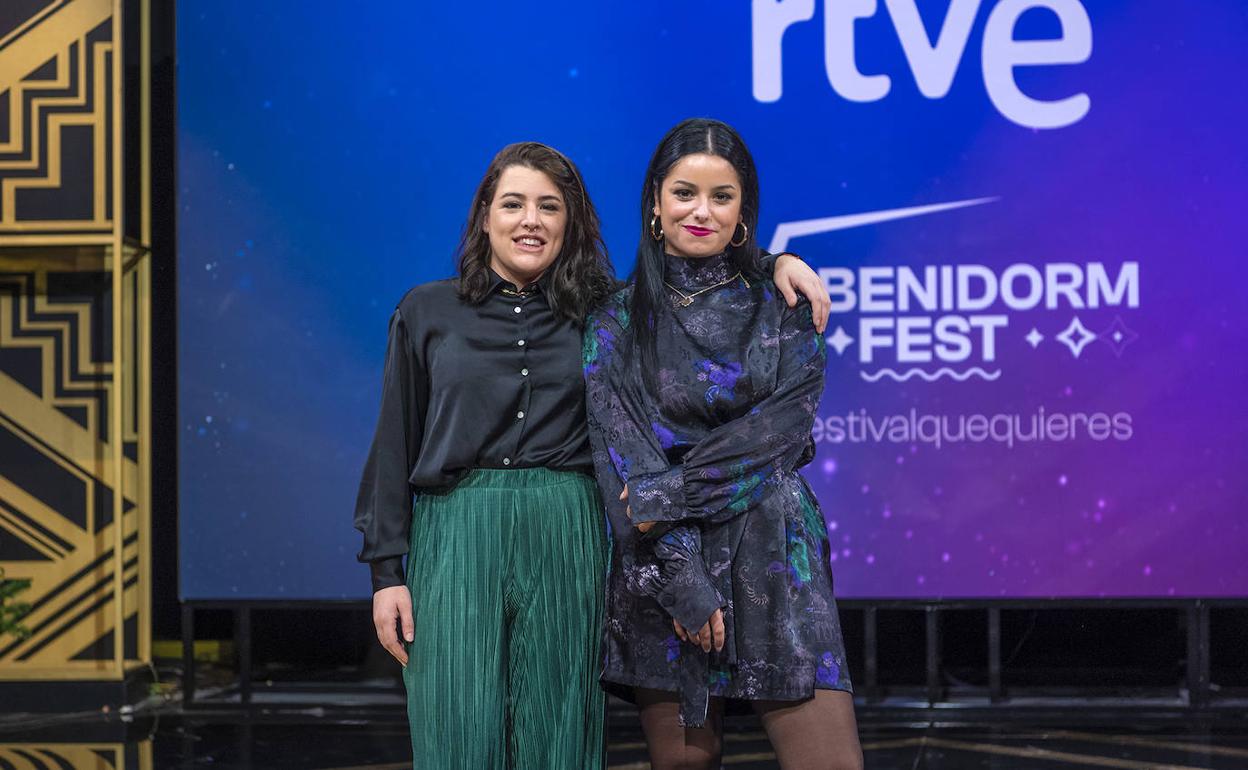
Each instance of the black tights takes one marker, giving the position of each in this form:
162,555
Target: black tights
816,734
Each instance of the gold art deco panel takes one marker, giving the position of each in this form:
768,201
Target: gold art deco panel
74,360
57,524
57,98
80,756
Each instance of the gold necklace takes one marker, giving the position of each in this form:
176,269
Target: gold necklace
685,300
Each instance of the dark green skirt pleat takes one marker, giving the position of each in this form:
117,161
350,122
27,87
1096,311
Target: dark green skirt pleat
506,573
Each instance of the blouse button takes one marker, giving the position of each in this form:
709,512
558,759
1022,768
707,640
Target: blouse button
506,461
517,308
524,372
519,415
520,343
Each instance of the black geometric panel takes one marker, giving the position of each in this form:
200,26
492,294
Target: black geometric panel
74,198
43,477
79,414
15,13
48,71
24,365
14,548
5,135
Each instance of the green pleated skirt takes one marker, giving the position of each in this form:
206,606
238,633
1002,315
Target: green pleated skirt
506,574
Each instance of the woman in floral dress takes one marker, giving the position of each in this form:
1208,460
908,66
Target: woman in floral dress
702,386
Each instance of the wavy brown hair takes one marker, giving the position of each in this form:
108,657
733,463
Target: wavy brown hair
581,275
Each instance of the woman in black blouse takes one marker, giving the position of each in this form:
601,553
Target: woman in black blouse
496,617
702,387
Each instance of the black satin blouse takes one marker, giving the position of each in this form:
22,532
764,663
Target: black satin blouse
495,385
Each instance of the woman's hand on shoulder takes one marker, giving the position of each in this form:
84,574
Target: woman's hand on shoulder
792,277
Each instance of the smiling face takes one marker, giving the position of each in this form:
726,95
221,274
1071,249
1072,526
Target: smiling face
699,205
525,223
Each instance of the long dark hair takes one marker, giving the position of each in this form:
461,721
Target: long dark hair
581,275
650,300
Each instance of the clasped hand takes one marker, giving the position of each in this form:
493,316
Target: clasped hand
712,632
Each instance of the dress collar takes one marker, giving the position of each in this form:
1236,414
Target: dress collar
697,272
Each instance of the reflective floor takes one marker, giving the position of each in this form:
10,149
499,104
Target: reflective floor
377,740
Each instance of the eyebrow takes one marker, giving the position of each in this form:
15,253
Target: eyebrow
717,187
521,196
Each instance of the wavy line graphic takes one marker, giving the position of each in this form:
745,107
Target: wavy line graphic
974,371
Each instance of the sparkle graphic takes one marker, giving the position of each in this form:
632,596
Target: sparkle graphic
1034,337
1118,336
1076,337
839,340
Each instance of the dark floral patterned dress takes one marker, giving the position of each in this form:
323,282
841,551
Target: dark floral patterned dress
713,461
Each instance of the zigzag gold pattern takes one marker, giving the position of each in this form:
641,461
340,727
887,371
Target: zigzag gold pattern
58,34
33,313
73,586
74,495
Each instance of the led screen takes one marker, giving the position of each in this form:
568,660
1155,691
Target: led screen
1029,215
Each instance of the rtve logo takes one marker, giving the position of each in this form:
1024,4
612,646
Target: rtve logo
933,64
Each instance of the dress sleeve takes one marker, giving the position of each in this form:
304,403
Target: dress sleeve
767,261
724,474
383,508
625,447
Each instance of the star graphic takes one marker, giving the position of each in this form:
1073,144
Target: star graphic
1076,337
1034,338
1118,336
840,340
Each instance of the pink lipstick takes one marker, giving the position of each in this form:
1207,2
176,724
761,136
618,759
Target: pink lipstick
700,232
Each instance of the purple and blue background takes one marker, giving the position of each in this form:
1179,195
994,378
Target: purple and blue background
326,162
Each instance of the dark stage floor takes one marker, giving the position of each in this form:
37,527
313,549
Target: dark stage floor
377,740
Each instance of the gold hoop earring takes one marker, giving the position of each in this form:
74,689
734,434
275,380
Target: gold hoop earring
745,236
659,235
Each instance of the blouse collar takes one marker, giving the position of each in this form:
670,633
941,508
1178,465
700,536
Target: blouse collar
697,272
498,284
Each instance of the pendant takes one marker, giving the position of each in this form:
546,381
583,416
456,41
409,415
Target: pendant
682,301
